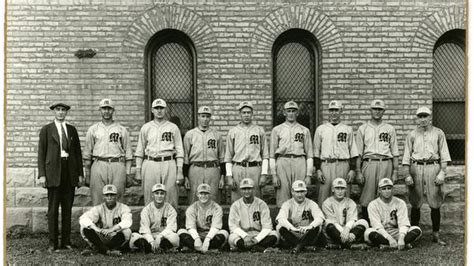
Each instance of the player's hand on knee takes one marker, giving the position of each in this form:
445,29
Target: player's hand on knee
263,181
409,180
393,243
187,186
440,178
197,244
276,181
155,245
221,182
205,245
350,176
345,234
42,181
360,178
321,177
352,237
401,243
248,241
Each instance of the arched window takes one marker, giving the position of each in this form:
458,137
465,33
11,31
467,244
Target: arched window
295,76
171,75
448,91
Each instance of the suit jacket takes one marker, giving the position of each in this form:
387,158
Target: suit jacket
49,155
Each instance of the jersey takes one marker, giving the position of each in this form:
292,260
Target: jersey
334,142
377,141
110,141
293,214
105,218
423,145
249,218
163,139
246,144
389,216
203,146
203,218
290,139
340,212
154,220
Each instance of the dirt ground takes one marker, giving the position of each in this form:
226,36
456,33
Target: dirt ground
32,249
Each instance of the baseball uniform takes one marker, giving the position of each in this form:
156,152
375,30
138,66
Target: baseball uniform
158,145
157,222
108,147
290,146
204,152
251,220
334,145
246,149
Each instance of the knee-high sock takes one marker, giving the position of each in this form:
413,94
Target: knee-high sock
185,240
92,236
143,245
358,231
435,219
365,214
378,239
289,237
217,241
412,235
415,216
166,244
268,241
333,233
309,238
116,241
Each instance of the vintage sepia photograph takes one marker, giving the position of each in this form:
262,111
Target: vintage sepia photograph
239,132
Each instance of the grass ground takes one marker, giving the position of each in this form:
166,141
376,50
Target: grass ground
32,249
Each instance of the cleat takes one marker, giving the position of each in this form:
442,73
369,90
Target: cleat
361,246
114,253
436,239
271,250
333,246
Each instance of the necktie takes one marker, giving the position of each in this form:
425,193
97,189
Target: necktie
64,140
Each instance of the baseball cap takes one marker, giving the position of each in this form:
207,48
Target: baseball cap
299,185
378,104
423,110
109,189
335,105
339,182
204,110
157,187
291,105
54,105
385,182
158,103
204,188
245,104
246,183
106,103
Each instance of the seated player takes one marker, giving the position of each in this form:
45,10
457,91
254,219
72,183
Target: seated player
300,220
203,224
390,227
157,225
250,223
106,227
342,226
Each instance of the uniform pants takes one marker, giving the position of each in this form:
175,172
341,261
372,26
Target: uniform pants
334,230
163,173
293,239
331,171
240,172
288,170
208,175
374,238
273,235
424,187
217,242
373,172
169,241
116,242
62,195
104,173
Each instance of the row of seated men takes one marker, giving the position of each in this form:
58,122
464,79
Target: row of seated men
300,223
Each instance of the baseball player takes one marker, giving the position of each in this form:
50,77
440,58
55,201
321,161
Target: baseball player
300,220
203,224
390,227
425,160
246,153
343,228
291,153
159,154
377,144
203,157
250,223
107,154
157,225
335,152
106,227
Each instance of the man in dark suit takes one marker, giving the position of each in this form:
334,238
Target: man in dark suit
60,171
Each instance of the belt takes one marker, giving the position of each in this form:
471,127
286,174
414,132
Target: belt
290,155
110,160
333,160
248,164
425,162
159,159
376,159
208,164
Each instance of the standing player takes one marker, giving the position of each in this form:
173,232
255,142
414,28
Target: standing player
390,227
377,143
425,160
250,223
335,152
160,154
157,224
300,220
107,154
342,226
106,227
246,153
291,154
203,224
203,154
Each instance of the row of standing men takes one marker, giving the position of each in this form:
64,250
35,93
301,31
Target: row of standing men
163,157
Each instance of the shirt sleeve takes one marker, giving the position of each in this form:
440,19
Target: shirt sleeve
317,214
317,143
229,148
394,143
234,222
264,145
403,222
282,217
329,212
359,139
125,217
127,145
308,144
89,145
178,143
408,149
216,224
351,213
140,151
353,149
273,143
375,219
171,223
90,217
220,147
145,222
187,147
443,148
